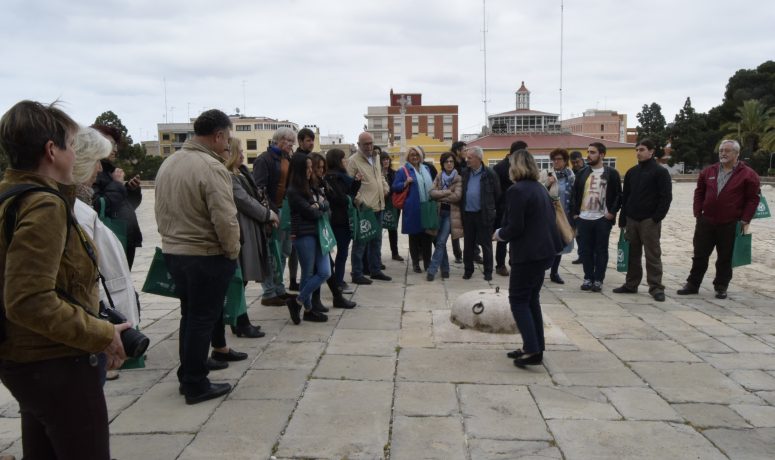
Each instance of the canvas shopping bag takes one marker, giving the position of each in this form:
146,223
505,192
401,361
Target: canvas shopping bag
159,281
622,253
763,210
326,235
429,215
390,216
741,254
234,304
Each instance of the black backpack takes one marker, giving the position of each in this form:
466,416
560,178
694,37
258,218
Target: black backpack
9,222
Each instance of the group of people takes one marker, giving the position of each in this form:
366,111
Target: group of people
215,215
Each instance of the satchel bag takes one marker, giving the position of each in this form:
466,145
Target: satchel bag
563,226
399,198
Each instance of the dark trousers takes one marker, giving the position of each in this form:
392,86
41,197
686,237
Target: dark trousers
593,246
477,233
63,411
293,266
708,236
456,251
201,283
421,248
525,283
130,255
393,237
644,235
556,264
219,330
501,249
343,236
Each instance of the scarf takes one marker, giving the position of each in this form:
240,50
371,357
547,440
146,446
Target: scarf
446,180
424,181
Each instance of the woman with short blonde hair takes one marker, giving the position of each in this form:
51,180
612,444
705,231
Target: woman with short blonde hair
522,166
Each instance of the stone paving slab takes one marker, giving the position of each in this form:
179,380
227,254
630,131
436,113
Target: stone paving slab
594,440
339,419
758,444
496,449
590,368
692,382
148,446
573,403
501,412
439,438
426,399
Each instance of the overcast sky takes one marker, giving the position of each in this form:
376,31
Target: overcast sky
324,62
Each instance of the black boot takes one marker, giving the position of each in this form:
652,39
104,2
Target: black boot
317,305
341,302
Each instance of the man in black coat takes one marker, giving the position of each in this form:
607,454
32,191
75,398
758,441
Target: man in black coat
645,202
597,199
502,171
481,189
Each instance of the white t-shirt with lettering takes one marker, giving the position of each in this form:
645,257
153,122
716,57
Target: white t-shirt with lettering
593,204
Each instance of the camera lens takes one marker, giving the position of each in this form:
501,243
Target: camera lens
135,342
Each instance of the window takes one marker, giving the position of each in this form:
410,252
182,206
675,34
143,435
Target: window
165,136
447,119
610,162
251,144
492,162
166,150
243,127
543,163
180,137
258,126
602,127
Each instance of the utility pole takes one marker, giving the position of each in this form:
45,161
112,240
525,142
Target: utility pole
164,80
484,49
403,102
562,14
244,110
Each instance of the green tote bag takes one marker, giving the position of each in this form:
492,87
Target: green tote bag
159,281
117,226
429,215
622,253
763,210
741,254
326,235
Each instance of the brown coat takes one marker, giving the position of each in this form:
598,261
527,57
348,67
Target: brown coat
39,324
452,196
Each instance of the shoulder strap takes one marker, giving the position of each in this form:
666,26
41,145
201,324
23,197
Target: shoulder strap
14,193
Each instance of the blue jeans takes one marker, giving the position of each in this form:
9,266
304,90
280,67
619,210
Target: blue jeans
201,283
315,267
439,257
593,245
375,253
343,237
273,285
525,283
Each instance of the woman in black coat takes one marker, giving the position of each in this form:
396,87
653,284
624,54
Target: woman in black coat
530,228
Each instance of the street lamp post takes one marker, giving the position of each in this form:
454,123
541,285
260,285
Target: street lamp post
403,101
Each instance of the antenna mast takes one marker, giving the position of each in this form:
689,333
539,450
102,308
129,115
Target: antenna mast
562,13
484,42
244,112
164,80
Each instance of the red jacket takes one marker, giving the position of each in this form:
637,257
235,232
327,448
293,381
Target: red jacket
737,201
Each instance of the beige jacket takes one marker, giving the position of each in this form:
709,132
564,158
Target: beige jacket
374,187
452,197
195,210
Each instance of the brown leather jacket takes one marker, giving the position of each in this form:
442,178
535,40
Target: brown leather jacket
43,256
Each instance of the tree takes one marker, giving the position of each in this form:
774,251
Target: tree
652,125
130,156
748,84
754,122
691,140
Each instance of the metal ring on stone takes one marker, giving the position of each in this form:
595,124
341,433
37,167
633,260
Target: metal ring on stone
478,308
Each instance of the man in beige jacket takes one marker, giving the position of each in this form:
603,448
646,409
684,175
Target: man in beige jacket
372,194
197,220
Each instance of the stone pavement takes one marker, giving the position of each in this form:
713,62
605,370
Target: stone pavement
624,376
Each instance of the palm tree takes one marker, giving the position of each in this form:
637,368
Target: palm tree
756,126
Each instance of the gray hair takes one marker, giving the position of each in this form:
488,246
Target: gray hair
90,147
281,133
476,150
735,144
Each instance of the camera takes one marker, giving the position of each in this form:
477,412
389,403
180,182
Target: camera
135,342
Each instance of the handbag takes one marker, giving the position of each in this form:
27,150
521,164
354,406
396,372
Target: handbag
763,210
159,281
563,226
741,252
622,253
326,235
399,198
429,215
117,226
285,216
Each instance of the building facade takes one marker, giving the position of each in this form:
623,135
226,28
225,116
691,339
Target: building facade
523,120
254,132
603,124
395,125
